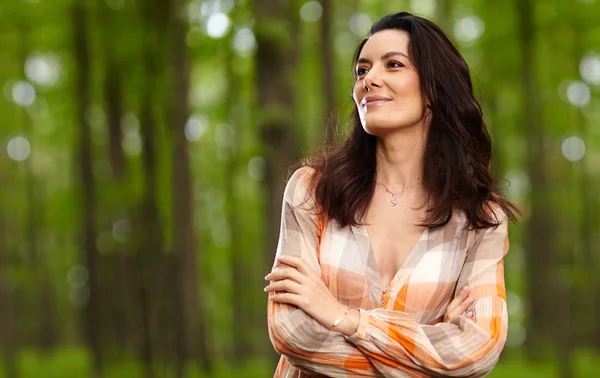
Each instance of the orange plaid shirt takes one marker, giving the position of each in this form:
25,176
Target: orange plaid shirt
400,333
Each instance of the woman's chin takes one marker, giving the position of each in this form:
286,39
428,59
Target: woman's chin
375,129
380,127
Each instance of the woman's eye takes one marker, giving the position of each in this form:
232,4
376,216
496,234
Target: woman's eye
395,64
361,71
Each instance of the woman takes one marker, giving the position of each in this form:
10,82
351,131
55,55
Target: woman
390,257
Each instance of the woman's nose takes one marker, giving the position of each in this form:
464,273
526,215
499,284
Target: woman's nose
370,80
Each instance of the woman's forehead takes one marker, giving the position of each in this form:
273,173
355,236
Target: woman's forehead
385,41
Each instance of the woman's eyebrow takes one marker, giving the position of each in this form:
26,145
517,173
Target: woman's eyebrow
383,57
392,53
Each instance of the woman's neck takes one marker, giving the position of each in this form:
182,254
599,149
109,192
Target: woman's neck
400,158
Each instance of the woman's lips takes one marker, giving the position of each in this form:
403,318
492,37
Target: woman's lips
375,103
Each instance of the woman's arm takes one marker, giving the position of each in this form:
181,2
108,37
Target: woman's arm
307,344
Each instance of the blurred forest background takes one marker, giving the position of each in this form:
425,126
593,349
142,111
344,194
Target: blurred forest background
145,145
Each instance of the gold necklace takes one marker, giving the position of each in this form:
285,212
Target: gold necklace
394,199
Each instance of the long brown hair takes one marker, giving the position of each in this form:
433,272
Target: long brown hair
458,151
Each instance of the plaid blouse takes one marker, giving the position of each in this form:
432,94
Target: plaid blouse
401,332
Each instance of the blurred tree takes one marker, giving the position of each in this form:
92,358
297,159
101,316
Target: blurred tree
277,128
88,205
327,59
541,260
191,334
151,254
241,276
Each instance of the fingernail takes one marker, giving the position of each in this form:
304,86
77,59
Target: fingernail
267,277
266,288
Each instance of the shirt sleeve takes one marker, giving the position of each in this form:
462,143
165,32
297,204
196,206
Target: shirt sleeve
462,347
302,340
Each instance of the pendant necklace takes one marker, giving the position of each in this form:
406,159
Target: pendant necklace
394,199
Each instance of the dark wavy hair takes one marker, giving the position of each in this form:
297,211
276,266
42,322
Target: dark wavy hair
458,151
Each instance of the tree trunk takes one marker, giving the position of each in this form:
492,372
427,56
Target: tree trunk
84,157
11,335
241,342
278,132
540,254
8,316
192,335
587,259
113,91
327,59
114,110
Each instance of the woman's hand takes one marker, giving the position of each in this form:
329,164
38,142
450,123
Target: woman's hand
295,283
459,305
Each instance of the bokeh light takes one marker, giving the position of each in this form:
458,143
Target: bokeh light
519,185
578,93
18,148
224,135
130,122
195,127
23,93
515,306
589,68
468,29
516,335
311,11
217,25
425,8
244,42
43,69
77,276
573,148
132,143
345,44
121,230
257,167
360,23
220,232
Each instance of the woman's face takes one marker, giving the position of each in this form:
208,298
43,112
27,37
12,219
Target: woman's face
387,91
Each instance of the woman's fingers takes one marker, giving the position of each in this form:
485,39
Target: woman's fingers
464,306
459,305
287,285
297,263
462,295
284,273
283,297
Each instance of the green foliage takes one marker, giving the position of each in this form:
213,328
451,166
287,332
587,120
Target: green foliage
75,363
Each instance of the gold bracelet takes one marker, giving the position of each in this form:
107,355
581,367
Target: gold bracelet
337,321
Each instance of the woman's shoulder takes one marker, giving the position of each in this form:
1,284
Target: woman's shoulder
300,187
493,211
304,174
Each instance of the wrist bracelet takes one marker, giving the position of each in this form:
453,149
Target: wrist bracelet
337,321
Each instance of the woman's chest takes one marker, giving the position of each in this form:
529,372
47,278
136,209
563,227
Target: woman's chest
422,284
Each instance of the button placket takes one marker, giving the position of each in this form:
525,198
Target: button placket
384,297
